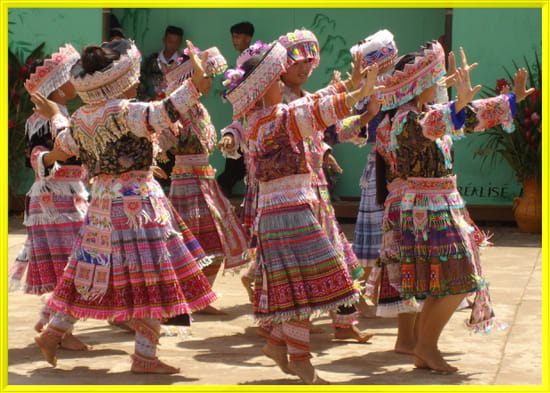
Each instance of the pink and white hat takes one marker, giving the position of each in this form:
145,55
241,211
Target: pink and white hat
377,48
301,45
245,91
54,73
215,65
426,70
113,80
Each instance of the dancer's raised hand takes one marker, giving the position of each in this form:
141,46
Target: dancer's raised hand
44,106
200,78
520,80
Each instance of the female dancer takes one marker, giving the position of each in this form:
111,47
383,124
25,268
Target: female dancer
57,200
299,272
437,245
133,259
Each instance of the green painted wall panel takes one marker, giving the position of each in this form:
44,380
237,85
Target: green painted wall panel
493,38
337,30
29,27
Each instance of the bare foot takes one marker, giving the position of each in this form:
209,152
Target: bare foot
304,369
433,361
278,354
248,284
73,343
124,325
160,368
38,326
404,346
48,348
263,332
404,350
210,310
352,332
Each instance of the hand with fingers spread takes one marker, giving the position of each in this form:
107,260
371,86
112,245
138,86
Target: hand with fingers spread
200,78
368,88
356,73
465,92
336,77
227,143
450,79
45,107
520,79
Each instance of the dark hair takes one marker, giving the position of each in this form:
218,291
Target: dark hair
173,30
243,28
116,32
32,67
249,65
95,58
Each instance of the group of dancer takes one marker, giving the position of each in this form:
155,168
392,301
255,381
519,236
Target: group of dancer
129,254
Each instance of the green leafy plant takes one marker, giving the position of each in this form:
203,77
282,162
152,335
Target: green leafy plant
522,149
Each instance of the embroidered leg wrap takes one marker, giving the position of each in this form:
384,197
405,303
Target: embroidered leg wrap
45,315
296,335
211,271
344,317
147,337
266,325
277,336
59,325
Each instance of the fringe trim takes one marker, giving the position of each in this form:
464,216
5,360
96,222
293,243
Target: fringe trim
485,327
279,317
182,332
84,313
391,310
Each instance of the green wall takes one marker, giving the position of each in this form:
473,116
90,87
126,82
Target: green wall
493,38
337,30
29,27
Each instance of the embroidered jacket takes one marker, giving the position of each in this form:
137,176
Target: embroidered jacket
419,144
121,135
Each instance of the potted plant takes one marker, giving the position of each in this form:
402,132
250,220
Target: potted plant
19,110
522,149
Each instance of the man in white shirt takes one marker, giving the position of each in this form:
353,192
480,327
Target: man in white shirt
156,65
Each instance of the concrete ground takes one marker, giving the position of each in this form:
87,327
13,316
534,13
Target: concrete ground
225,350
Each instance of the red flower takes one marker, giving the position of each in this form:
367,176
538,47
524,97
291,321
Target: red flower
11,124
501,83
534,97
526,124
22,72
161,96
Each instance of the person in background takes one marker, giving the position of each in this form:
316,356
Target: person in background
156,65
235,169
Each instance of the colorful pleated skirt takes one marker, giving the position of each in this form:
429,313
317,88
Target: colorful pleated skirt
54,216
134,256
438,244
207,213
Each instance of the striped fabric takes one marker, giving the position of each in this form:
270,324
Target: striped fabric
154,261
368,228
299,273
438,244
208,214
50,247
389,301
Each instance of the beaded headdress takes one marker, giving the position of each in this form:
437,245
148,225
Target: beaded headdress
54,72
112,81
301,45
215,65
377,48
426,70
245,91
